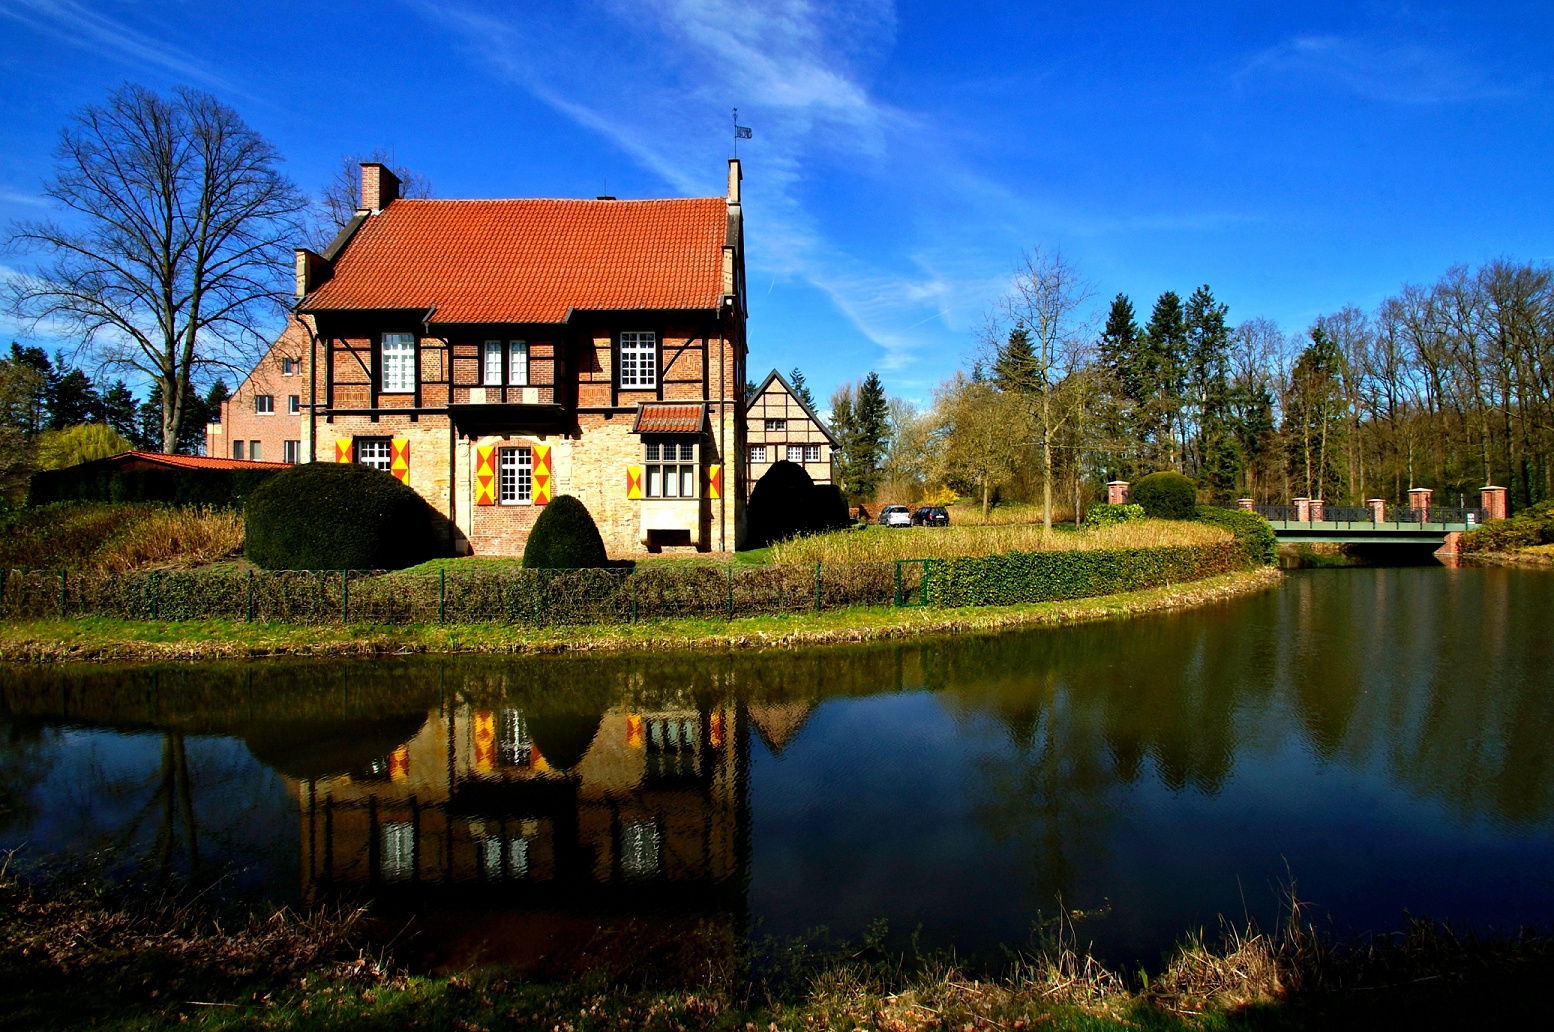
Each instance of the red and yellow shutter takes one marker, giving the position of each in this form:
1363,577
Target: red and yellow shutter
717,729
399,763
714,482
485,741
399,465
634,731
633,482
342,449
541,474
485,474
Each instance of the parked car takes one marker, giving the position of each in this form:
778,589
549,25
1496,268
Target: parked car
931,516
895,516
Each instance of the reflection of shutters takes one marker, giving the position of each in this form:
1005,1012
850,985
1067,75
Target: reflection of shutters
399,465
485,738
634,731
541,474
714,481
633,481
485,474
342,449
399,763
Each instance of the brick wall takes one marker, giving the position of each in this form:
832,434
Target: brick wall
242,422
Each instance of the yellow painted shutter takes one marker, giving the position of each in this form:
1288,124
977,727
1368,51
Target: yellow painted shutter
542,483
342,449
714,481
633,482
485,474
399,465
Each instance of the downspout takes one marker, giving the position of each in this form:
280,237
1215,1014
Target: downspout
723,438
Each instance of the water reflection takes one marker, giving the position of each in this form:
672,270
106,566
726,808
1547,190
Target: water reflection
1387,734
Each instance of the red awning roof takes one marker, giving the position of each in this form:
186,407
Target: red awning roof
186,461
666,417
530,261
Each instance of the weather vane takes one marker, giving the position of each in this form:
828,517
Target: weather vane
741,132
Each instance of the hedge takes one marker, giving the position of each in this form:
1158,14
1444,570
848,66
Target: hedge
90,483
1252,532
336,516
1166,496
1534,526
1106,514
1024,577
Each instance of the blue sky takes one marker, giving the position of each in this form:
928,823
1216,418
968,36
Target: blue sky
1296,157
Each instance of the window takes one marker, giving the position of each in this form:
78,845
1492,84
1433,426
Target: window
505,858
291,452
377,452
673,746
758,453
513,747
639,360
264,404
237,449
776,426
293,404
795,453
398,363
812,453
671,468
396,862
492,372
288,367
514,475
518,363
253,451
639,849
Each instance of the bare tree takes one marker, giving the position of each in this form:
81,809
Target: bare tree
177,247
341,197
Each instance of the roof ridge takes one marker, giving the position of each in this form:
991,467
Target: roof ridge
557,200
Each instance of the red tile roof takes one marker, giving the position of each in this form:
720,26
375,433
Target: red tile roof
664,417
531,260
187,461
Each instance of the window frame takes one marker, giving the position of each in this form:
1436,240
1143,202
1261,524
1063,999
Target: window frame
489,350
387,443
645,362
514,348
264,404
291,452
776,426
406,350
289,366
238,448
521,494
757,453
812,449
294,404
657,468
794,453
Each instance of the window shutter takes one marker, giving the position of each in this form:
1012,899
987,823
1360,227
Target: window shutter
714,482
399,464
399,763
541,474
342,449
485,741
633,482
485,474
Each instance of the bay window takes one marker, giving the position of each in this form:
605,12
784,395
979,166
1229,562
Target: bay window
672,469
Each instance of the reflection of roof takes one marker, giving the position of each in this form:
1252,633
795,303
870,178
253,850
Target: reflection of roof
143,459
530,261
779,723
659,417
775,375
314,749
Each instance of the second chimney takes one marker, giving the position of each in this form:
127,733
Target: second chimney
379,186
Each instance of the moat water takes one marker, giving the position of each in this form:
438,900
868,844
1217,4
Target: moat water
1382,737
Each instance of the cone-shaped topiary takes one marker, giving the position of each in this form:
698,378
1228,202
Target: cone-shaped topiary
780,505
564,538
336,516
828,509
1166,496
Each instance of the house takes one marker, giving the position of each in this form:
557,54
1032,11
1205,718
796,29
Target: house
778,425
494,354
262,420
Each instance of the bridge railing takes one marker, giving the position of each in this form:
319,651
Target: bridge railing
1365,514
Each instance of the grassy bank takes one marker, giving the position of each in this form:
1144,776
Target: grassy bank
101,536
96,638
875,544
79,958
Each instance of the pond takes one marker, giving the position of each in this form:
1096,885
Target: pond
1383,737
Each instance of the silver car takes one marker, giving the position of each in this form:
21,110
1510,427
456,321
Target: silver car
895,516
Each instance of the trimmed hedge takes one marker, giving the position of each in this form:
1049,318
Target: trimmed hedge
1253,533
1024,577
786,503
336,516
218,487
1105,514
1166,496
564,538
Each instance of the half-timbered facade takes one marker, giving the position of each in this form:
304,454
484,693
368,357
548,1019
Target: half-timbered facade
497,354
779,426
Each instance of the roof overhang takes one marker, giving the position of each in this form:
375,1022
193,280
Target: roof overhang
506,418
670,417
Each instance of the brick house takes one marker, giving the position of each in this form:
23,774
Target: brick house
494,354
778,425
262,421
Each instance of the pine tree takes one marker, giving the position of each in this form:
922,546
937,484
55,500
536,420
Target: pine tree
1163,367
1208,375
801,388
73,399
1015,368
120,410
871,419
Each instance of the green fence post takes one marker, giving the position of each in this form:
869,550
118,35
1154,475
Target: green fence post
442,594
61,594
632,576
156,596
345,597
817,587
731,591
898,583
250,596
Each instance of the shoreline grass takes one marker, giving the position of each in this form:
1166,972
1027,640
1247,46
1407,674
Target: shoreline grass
104,639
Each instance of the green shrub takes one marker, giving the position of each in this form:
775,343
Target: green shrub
1253,533
95,482
828,509
1109,515
1166,496
1531,526
1020,577
782,505
564,538
61,449
336,516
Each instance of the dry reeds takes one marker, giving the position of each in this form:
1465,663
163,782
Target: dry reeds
882,544
119,537
174,537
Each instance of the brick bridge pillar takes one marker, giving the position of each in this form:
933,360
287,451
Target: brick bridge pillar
1419,498
1316,510
1494,502
1302,510
1245,503
1378,507
1117,492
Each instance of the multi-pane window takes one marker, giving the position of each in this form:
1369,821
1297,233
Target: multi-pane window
671,468
505,857
795,453
673,746
237,449
291,452
776,426
516,354
812,453
293,404
253,451
396,859
513,748
377,452
491,373
518,363
264,404
639,851
514,475
639,360
288,367
398,363
758,453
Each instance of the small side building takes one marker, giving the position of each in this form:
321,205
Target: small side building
778,425
262,421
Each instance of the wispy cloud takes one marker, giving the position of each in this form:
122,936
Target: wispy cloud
1404,73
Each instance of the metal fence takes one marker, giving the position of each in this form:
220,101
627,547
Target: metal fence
1366,514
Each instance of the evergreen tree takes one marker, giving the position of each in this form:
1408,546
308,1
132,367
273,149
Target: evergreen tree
1163,367
191,432
801,388
871,422
1208,387
73,399
120,410
1121,347
1015,368
25,380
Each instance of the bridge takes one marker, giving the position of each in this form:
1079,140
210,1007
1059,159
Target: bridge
1374,524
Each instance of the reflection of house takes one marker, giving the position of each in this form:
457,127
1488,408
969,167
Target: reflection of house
778,426
779,723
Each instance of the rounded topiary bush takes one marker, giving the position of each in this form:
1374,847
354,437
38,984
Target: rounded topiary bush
781,505
336,516
1166,496
828,509
564,538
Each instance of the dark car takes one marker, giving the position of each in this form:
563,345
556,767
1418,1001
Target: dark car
931,516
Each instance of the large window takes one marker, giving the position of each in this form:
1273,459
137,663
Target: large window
491,372
639,360
812,453
795,453
398,363
516,354
377,452
513,748
264,404
514,476
671,468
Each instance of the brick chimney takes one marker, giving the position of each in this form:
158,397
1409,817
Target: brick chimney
379,186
